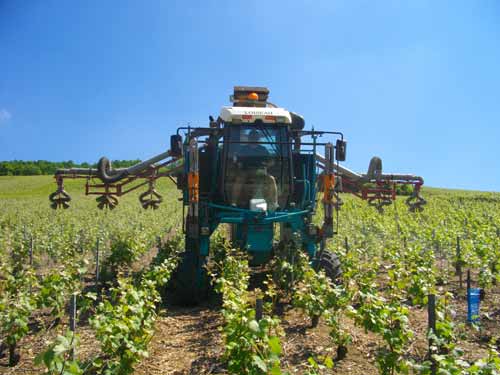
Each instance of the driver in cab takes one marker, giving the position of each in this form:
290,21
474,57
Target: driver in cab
253,180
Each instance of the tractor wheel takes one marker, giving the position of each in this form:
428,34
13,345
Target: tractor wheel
330,263
190,282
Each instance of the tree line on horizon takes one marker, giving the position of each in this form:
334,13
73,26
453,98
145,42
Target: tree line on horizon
44,167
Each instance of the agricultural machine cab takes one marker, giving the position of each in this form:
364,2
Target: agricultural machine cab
257,166
253,168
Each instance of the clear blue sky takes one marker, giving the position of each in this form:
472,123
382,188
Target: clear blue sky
414,82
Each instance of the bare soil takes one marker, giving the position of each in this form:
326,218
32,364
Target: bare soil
189,340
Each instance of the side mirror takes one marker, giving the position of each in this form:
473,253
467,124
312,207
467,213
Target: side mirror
176,145
340,150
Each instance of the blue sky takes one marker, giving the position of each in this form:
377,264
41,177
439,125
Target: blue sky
414,82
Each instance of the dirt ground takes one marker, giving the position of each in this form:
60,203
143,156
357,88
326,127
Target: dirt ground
189,341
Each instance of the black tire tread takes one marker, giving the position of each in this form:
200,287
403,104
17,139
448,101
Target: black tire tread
186,289
330,263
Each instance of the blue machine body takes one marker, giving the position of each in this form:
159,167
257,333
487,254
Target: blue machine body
296,177
253,231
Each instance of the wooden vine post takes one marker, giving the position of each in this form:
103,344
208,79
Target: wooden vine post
431,314
458,264
259,308
72,320
97,263
31,251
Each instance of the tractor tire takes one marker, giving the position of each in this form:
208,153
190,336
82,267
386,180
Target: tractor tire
189,283
330,263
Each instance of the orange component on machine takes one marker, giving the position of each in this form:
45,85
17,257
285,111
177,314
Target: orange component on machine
328,187
193,186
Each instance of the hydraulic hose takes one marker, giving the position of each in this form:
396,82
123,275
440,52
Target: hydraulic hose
109,175
374,172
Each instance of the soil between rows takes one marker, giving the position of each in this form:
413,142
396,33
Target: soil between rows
188,340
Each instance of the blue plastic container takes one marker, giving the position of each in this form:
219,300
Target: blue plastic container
473,305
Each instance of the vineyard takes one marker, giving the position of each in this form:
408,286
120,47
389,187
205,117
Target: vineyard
83,291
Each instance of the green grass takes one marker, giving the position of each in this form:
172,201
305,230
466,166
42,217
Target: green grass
33,191
13,187
33,186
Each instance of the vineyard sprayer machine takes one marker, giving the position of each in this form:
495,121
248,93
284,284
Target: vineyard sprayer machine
254,168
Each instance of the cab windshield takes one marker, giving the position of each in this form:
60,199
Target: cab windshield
258,165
